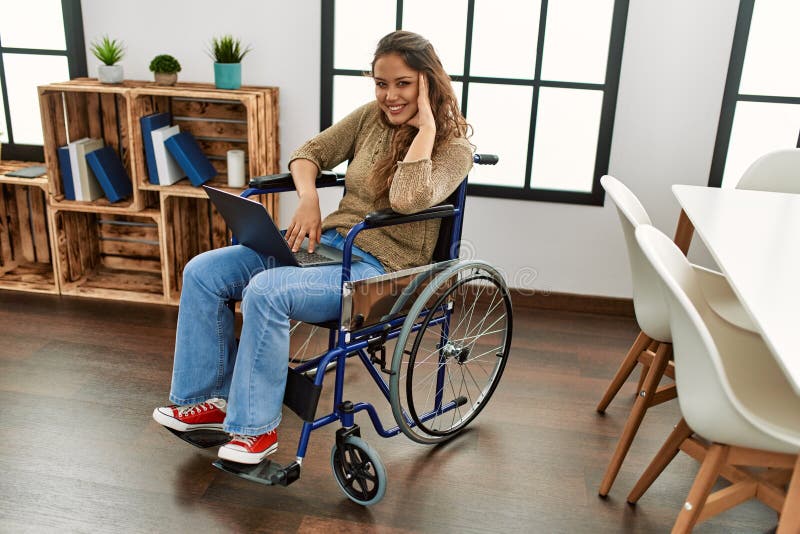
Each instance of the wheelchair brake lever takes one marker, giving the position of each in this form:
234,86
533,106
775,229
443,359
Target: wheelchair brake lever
378,344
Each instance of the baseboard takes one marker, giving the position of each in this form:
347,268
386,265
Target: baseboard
534,299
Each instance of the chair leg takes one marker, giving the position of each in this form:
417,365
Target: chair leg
643,401
662,459
706,477
790,514
624,371
642,376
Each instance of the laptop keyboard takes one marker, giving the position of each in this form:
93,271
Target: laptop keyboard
309,258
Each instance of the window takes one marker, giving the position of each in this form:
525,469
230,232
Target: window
537,80
41,41
761,105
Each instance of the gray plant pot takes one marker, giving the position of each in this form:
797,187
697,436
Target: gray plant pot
110,73
166,78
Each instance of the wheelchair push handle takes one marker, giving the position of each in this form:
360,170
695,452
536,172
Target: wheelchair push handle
486,159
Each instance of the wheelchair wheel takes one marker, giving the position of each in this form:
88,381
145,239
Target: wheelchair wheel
306,341
451,352
359,472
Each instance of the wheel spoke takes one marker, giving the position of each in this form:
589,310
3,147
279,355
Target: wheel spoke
473,378
364,493
424,360
466,386
493,350
483,321
300,354
430,388
452,389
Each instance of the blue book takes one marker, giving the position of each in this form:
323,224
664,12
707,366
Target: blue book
150,123
110,172
184,148
66,172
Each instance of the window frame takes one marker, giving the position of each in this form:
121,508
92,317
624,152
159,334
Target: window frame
75,53
610,89
731,96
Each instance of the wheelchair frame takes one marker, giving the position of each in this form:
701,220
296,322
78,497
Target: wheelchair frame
348,338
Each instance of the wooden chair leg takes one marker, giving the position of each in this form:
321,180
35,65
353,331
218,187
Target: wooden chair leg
790,514
637,414
662,459
642,376
624,371
683,233
706,477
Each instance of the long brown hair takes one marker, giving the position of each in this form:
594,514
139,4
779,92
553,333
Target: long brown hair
418,53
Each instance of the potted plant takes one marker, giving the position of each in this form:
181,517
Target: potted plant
165,69
109,52
227,53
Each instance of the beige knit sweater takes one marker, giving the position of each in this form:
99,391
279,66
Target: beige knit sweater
363,138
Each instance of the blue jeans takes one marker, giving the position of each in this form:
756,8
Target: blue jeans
252,376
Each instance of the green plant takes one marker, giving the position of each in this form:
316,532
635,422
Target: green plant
108,50
227,49
165,63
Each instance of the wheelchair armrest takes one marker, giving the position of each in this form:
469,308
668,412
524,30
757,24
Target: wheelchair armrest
284,181
388,217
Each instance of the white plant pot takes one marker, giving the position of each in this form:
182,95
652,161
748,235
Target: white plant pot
110,73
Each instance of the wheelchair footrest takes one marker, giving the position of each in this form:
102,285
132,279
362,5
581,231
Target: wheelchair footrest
203,439
267,472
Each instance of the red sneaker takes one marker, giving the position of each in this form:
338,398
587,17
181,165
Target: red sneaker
249,449
205,415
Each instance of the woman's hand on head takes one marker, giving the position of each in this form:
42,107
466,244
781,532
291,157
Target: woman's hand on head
306,221
424,118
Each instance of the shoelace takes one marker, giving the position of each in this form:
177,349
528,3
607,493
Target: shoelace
247,440
195,408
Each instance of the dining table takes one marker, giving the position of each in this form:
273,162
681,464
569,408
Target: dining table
754,237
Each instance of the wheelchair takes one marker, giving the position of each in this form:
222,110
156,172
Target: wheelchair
451,325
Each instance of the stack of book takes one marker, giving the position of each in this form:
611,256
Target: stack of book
170,154
90,171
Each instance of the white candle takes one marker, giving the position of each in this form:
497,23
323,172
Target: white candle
236,168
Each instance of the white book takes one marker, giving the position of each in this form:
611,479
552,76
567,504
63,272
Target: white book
73,163
169,171
90,187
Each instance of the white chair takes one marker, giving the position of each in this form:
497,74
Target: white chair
775,171
652,346
732,393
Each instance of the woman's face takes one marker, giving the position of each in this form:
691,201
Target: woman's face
396,88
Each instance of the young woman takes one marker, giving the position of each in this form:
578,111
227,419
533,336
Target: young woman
408,151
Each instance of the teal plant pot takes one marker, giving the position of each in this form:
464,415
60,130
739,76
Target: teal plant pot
228,75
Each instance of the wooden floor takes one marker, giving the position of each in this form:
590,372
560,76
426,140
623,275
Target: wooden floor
79,379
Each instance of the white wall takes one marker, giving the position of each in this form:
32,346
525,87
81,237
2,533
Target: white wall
285,37
673,76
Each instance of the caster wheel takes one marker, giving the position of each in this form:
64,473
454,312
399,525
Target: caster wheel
359,471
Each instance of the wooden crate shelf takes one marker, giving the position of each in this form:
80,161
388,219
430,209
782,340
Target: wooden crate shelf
191,226
111,256
220,120
76,109
25,236
136,249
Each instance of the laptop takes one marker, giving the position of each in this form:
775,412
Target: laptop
254,228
